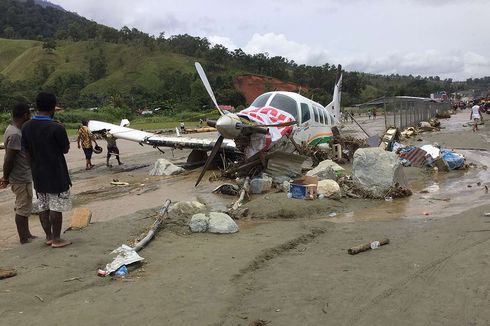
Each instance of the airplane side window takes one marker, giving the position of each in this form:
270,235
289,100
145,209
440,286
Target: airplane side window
322,118
315,111
305,113
261,100
285,103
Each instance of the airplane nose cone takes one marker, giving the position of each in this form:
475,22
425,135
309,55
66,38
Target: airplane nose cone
226,126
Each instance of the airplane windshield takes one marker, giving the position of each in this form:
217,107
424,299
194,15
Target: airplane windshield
285,103
261,100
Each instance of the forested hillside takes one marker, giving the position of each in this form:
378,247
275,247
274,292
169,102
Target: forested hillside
87,64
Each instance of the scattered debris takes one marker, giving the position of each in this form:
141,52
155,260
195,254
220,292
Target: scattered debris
7,272
74,279
486,214
39,297
119,183
128,255
214,222
165,167
261,184
367,246
80,219
2,146
227,189
304,188
244,192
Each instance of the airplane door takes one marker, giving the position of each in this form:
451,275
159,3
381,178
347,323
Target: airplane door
303,131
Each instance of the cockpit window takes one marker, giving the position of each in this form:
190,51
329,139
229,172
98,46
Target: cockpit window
305,113
285,103
261,100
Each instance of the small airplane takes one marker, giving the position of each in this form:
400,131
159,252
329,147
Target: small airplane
270,117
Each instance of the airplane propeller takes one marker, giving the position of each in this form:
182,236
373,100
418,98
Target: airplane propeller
229,125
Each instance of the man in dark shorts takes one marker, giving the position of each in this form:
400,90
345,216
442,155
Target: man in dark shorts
84,141
111,148
17,171
46,142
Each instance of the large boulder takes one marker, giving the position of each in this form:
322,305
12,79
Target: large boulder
199,223
165,167
221,223
377,171
214,222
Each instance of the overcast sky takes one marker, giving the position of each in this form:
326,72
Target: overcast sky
448,38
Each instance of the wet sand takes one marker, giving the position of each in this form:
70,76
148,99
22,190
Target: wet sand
289,269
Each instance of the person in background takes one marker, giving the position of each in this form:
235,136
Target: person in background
84,141
369,114
476,115
111,148
46,142
17,171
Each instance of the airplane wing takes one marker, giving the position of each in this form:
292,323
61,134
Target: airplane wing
151,139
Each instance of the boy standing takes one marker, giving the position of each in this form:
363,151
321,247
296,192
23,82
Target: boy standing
46,142
17,171
111,148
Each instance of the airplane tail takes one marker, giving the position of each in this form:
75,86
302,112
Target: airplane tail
334,106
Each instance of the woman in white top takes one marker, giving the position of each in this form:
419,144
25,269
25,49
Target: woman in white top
476,115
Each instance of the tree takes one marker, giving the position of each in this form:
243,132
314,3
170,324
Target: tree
97,67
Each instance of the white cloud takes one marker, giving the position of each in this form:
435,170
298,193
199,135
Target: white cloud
225,41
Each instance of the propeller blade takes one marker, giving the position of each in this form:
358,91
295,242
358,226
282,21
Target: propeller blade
205,81
215,150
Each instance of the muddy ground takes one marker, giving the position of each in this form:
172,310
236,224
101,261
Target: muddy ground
288,265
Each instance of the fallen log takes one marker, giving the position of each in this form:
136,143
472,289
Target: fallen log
367,246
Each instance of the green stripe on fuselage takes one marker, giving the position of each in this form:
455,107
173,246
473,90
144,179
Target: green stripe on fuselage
320,140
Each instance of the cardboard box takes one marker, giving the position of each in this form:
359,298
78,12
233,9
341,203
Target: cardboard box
304,188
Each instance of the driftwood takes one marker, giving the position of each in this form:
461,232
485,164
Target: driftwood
7,272
245,190
367,246
162,215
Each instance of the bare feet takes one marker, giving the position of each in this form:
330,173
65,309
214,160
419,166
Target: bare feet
32,237
49,242
24,241
60,243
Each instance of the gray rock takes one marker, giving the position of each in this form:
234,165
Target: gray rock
221,223
165,167
199,223
376,171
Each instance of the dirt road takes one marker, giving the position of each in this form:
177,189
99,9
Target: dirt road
286,270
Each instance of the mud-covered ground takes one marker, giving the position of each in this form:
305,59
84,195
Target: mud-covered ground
288,265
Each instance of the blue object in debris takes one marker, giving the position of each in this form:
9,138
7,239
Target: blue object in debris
121,271
454,161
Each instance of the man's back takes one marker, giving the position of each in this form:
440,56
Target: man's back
47,141
21,172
